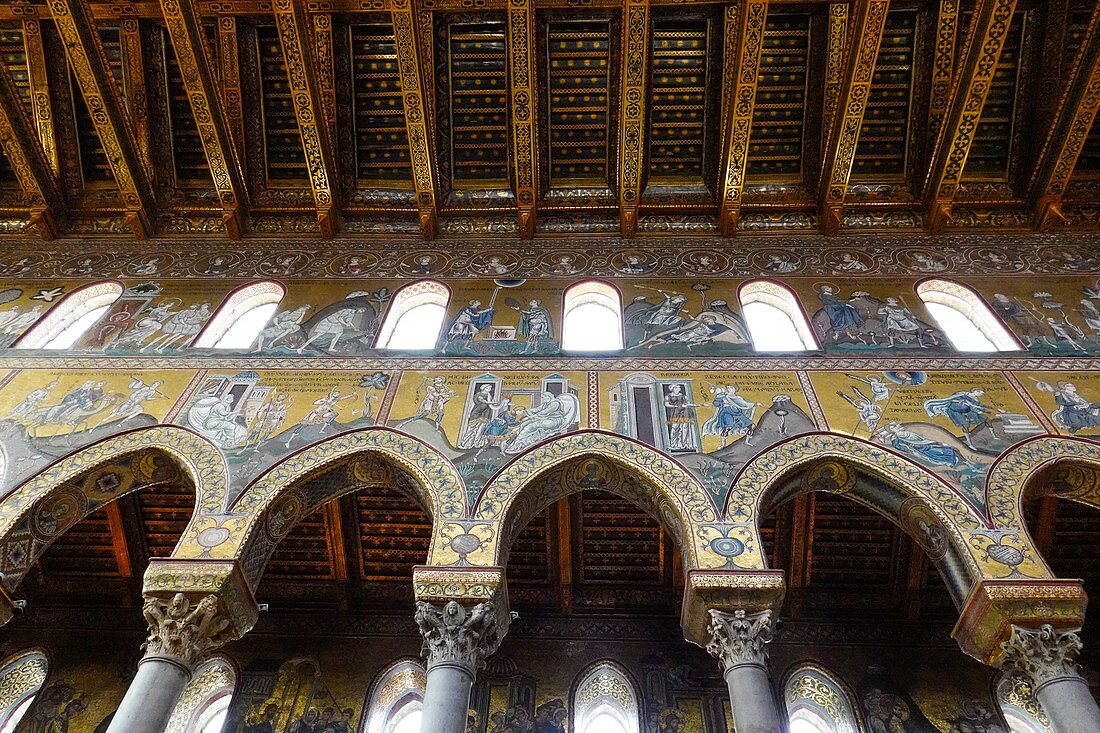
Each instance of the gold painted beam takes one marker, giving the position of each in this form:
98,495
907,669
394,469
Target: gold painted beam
19,141
867,29
943,62
230,80
186,32
1073,119
292,23
747,24
521,83
40,91
73,19
324,54
406,43
985,42
635,97
835,55
136,99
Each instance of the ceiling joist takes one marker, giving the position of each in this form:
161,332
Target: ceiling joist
1073,119
744,26
421,150
185,31
840,152
19,140
988,31
75,24
521,83
632,111
292,23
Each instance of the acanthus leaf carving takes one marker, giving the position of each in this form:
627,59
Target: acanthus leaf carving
456,635
739,638
183,631
1044,655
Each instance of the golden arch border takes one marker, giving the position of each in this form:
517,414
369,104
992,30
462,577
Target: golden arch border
1013,473
972,534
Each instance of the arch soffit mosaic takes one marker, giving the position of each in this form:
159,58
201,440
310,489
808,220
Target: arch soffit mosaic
991,550
1014,476
227,534
684,502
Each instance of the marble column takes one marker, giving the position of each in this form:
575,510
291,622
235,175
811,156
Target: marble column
181,634
1047,657
737,642
457,640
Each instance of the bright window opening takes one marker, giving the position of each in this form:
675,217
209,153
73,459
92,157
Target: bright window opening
239,320
397,699
774,318
406,719
605,723
593,318
204,704
968,323
605,701
415,317
71,318
804,721
818,703
214,718
17,714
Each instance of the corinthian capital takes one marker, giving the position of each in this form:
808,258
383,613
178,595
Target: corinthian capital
184,632
739,637
1043,655
457,635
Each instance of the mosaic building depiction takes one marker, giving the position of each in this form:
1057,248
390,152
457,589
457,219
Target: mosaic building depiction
632,366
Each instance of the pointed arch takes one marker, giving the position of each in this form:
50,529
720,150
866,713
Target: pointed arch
426,297
605,692
644,475
825,701
396,694
205,700
250,528
592,317
1063,466
965,317
37,512
774,317
22,676
965,542
71,317
241,316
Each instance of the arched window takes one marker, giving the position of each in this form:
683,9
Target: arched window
592,319
415,316
71,318
966,320
241,317
396,700
1022,711
774,318
21,678
204,704
818,703
605,701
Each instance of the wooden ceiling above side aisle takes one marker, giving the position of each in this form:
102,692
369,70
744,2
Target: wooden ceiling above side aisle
539,117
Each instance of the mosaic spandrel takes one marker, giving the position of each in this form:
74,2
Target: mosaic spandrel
1070,399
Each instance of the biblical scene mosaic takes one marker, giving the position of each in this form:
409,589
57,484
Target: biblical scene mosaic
663,317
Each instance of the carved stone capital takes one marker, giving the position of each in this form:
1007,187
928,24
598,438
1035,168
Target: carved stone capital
185,631
1044,655
738,638
455,634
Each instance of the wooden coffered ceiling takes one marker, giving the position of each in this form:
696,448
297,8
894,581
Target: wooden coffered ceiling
449,117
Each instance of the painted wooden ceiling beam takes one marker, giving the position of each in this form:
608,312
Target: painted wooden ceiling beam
293,25
744,31
634,96
868,24
75,24
522,101
943,62
986,39
1065,138
41,102
421,149
186,33
27,157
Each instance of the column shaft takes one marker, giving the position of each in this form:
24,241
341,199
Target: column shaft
447,699
151,697
1069,705
754,708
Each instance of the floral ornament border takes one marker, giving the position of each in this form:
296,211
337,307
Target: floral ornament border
1012,473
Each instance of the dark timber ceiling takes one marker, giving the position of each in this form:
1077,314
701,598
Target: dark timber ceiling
545,117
